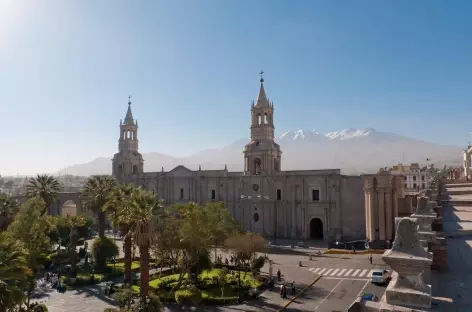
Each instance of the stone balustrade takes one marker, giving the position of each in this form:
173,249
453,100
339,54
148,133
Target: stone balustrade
409,262
425,216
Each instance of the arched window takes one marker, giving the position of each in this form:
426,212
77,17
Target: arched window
266,119
257,165
120,169
135,169
259,119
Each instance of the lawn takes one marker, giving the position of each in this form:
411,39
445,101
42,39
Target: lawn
214,292
121,265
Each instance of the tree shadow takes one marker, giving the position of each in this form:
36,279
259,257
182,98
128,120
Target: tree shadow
95,291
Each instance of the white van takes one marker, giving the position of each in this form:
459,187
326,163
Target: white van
380,276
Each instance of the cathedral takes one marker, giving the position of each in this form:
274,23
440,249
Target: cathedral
294,204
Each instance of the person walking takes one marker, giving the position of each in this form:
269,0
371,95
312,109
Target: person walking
370,259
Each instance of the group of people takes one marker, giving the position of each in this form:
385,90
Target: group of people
55,281
283,288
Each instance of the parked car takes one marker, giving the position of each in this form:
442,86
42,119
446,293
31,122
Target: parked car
369,297
380,276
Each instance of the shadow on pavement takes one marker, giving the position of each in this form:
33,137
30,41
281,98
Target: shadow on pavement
95,291
452,288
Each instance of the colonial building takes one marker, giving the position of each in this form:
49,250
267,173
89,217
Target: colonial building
302,204
415,177
467,162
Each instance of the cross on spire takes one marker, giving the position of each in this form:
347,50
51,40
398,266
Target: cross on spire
261,73
129,99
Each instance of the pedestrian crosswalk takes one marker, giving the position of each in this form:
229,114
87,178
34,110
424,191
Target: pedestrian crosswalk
343,273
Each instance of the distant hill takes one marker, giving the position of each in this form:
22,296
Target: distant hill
355,151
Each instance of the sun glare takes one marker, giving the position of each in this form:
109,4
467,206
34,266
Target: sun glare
12,13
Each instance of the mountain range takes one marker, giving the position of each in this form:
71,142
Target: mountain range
354,151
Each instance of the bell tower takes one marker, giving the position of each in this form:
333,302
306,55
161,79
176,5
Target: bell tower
262,156
128,162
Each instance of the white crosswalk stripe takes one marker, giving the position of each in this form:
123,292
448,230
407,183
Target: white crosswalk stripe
343,272
334,272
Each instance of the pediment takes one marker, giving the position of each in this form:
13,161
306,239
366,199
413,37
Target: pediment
180,171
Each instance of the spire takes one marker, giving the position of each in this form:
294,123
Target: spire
129,121
262,100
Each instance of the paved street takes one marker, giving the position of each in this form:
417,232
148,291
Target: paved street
334,294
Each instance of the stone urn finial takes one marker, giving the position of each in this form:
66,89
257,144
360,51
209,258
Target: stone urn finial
407,257
423,207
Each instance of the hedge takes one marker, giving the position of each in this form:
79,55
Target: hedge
85,280
189,296
40,308
232,267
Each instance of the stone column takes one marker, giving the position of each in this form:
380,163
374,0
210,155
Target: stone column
381,209
409,261
367,213
389,215
372,220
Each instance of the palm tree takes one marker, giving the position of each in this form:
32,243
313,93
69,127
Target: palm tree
119,202
14,273
141,214
95,195
45,187
8,210
74,223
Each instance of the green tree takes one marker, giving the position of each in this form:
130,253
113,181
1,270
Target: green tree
103,250
9,208
14,273
73,223
221,223
188,232
95,195
119,203
142,214
30,228
222,280
245,246
45,187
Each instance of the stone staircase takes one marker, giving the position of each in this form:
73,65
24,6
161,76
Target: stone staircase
458,194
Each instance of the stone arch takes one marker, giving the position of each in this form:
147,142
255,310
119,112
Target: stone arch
135,169
69,198
316,228
69,208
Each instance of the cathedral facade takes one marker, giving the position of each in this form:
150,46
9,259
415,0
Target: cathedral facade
300,204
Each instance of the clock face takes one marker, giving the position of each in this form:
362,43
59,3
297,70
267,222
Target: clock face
255,187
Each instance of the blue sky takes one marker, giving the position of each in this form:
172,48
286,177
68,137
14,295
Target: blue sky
67,68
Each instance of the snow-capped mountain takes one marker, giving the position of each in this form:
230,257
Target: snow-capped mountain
350,134
347,134
355,151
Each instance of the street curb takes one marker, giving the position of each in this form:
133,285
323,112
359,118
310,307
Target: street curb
299,294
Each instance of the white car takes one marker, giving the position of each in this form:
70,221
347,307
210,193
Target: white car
380,276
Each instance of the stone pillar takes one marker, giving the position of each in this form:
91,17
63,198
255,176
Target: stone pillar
425,218
439,250
409,261
389,215
381,215
367,213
